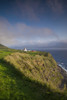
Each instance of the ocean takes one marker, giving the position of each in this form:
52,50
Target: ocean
60,56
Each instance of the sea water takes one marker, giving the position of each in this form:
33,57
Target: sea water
60,56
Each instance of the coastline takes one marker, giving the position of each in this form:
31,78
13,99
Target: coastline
63,71
59,65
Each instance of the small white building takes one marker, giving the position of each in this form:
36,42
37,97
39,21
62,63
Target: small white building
25,49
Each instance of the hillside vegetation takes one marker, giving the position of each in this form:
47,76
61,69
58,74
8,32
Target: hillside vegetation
3,47
30,76
39,67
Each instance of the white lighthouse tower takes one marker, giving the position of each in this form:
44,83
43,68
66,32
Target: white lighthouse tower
25,49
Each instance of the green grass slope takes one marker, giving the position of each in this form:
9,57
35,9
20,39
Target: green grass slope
18,82
3,47
40,68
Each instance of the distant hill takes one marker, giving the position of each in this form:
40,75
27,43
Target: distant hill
3,47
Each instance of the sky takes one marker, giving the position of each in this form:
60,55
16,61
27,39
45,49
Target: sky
33,23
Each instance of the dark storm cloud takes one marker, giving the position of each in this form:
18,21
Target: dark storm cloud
33,9
56,6
30,8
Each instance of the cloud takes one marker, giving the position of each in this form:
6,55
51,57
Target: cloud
58,45
30,9
56,6
21,34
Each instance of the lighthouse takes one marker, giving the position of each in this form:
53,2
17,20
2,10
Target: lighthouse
25,49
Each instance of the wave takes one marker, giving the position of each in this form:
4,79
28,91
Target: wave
62,66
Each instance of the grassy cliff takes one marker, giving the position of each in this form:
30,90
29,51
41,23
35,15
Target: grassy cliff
41,68
30,76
